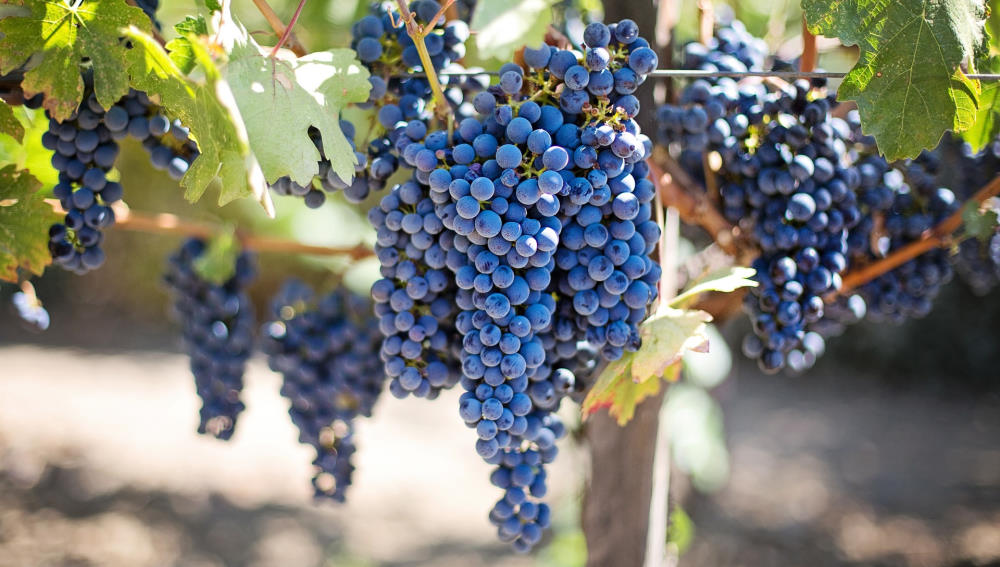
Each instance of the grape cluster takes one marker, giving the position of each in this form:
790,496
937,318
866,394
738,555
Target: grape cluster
168,142
326,349
785,181
217,324
414,300
85,148
732,49
84,151
978,263
530,227
382,44
909,290
954,164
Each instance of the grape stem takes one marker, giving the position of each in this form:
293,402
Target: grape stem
809,54
288,30
279,27
937,237
417,33
680,191
165,223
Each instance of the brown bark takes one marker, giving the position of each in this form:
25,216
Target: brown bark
616,504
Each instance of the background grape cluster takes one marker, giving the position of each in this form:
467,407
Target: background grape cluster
326,351
816,199
217,326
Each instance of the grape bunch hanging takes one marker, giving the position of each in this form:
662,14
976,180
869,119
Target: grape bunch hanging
814,197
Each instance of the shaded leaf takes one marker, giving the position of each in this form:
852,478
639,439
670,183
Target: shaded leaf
58,35
218,262
224,152
907,82
9,124
987,126
24,224
979,221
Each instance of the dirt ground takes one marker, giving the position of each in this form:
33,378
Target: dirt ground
100,466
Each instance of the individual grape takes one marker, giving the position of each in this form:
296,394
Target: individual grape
30,309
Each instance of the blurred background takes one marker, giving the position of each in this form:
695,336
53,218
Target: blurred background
887,453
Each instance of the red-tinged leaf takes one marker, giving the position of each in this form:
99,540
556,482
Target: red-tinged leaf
625,383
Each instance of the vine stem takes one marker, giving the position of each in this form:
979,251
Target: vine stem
809,53
417,33
706,21
288,30
936,237
279,27
680,191
165,223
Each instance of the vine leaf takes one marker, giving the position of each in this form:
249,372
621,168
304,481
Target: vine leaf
218,262
9,124
224,151
180,48
987,126
907,82
56,36
666,336
25,218
980,221
725,280
502,27
279,98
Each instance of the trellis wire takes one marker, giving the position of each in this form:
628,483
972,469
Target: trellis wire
695,74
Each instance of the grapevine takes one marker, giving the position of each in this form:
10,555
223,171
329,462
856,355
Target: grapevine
514,211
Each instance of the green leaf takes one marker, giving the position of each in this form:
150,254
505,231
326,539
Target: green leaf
9,124
907,82
979,221
224,152
280,98
180,48
666,336
24,224
503,27
724,280
218,262
987,126
58,36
